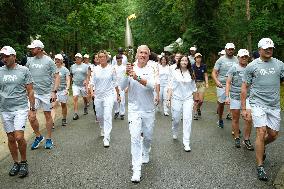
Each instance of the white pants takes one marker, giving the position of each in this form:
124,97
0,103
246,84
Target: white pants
120,107
104,114
185,107
163,98
140,123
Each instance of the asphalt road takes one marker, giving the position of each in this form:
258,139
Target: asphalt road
79,159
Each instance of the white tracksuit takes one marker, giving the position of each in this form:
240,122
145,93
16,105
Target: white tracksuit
182,102
141,112
104,81
120,107
164,72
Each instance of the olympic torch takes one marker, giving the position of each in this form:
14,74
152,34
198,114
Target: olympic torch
129,39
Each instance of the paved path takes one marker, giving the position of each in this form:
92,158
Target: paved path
79,159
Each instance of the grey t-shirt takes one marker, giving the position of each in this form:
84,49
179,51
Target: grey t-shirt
42,70
264,80
63,73
222,65
79,73
13,94
236,74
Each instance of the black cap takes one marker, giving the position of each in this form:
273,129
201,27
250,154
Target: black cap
120,50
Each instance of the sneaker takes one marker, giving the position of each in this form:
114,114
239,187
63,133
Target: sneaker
37,142
175,137
106,143
85,110
15,169
122,117
237,142
199,112
145,158
116,115
261,174
64,122
248,145
102,133
166,114
229,117
24,171
220,124
48,144
136,177
195,117
187,148
76,116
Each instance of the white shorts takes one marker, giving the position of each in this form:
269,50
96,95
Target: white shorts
236,104
14,121
43,101
221,94
79,91
62,96
266,117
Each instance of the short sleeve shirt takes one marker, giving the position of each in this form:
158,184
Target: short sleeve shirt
13,94
264,80
199,71
79,73
222,65
63,73
42,70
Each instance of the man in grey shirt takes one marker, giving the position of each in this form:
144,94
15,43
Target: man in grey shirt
263,76
222,66
44,72
16,84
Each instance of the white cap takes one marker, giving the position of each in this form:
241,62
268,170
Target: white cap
197,54
230,46
265,43
35,44
159,56
193,49
86,56
78,55
58,56
243,52
7,50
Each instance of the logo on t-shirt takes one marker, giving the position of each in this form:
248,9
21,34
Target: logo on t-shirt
9,78
268,71
37,66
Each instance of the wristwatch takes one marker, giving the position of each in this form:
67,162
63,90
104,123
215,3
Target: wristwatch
32,109
55,91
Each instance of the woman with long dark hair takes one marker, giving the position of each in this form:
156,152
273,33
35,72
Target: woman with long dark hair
181,95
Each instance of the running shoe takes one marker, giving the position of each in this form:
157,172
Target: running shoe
195,116
248,145
199,112
136,177
116,115
229,117
15,169
175,137
64,122
261,174
166,114
122,117
237,142
187,148
85,110
106,143
48,144
37,142
220,124
76,116
24,170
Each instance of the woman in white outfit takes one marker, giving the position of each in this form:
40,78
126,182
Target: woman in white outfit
181,95
141,108
164,71
104,81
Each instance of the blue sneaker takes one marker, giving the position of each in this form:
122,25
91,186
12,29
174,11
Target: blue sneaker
48,144
37,141
220,124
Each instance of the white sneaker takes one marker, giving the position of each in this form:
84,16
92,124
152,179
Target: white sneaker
166,114
175,137
187,148
106,143
102,133
136,176
145,158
